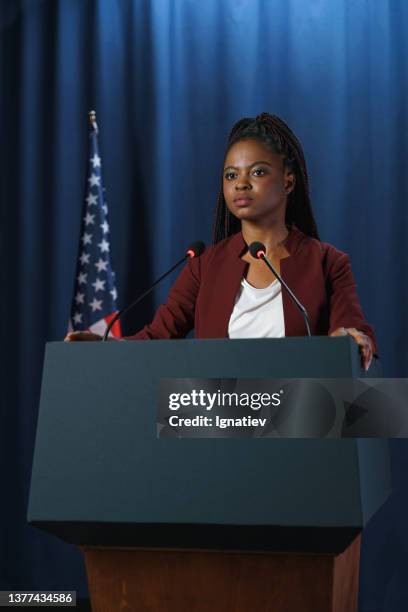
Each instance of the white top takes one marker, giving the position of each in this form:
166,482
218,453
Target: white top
258,313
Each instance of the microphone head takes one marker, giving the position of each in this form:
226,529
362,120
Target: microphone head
195,249
257,250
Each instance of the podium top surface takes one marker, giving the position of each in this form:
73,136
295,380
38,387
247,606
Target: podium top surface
297,357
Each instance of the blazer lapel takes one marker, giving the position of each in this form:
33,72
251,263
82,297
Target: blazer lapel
227,280
291,274
230,269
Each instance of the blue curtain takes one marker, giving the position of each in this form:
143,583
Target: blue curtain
167,79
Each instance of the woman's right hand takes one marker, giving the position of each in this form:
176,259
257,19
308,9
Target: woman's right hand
79,336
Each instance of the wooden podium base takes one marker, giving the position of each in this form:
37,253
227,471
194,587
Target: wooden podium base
138,580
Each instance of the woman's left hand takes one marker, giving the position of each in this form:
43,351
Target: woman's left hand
364,342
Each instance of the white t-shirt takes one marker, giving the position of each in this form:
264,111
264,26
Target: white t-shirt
258,313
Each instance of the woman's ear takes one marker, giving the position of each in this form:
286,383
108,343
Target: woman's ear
290,180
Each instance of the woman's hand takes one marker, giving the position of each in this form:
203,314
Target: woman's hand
364,342
78,336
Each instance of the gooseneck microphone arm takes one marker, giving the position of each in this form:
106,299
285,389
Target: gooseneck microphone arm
193,250
258,251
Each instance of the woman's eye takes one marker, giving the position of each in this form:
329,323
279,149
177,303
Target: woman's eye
229,176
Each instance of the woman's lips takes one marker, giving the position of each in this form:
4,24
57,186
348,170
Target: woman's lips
242,201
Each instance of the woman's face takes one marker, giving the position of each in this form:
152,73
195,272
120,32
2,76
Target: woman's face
256,183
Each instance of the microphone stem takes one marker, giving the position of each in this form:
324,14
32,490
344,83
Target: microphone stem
292,295
140,298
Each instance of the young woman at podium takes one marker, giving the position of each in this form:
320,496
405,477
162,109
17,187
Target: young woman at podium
226,292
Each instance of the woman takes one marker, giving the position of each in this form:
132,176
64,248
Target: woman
226,292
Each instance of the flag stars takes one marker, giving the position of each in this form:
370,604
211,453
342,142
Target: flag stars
96,304
89,219
95,161
86,239
94,181
84,259
79,298
105,208
77,317
92,199
81,278
101,265
99,285
104,246
105,227
114,293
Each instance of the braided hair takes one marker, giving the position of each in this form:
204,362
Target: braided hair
275,134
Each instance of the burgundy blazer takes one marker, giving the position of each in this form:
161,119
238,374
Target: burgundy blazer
204,293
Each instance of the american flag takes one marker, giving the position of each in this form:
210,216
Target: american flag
94,303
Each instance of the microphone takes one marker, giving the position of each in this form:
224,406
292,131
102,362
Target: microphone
258,251
194,250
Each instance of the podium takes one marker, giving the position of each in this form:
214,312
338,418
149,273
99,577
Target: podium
200,524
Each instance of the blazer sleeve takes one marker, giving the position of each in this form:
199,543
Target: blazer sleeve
344,305
175,318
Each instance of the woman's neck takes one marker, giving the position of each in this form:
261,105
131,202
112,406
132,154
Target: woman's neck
272,236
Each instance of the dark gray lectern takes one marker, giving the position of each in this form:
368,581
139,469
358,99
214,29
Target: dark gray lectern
200,524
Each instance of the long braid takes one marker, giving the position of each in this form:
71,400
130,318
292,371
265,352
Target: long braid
276,135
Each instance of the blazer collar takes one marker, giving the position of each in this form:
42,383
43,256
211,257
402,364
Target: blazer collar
231,271
289,270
